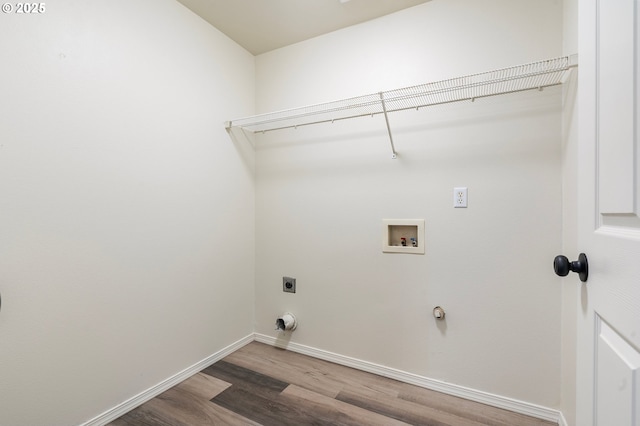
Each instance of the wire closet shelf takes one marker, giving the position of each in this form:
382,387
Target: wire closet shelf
535,75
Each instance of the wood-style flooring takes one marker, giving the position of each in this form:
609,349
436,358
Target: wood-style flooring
263,385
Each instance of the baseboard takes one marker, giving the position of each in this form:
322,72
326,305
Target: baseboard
414,379
510,404
141,398
562,421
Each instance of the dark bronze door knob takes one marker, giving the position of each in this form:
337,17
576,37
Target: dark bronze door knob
562,266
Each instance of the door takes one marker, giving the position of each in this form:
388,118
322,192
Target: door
608,357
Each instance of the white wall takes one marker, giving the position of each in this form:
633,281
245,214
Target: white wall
322,192
570,297
126,214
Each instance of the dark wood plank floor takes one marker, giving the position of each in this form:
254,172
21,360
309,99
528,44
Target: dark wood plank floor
263,385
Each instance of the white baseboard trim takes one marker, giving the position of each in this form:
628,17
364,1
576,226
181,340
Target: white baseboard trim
141,398
562,421
510,404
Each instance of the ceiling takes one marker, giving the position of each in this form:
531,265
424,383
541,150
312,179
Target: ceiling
263,25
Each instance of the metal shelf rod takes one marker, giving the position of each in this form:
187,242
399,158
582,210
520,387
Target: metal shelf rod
331,120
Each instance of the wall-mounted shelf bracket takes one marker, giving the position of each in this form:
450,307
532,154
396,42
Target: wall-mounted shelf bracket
394,155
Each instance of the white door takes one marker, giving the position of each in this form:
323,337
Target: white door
608,370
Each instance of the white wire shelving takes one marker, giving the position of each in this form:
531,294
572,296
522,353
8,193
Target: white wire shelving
535,75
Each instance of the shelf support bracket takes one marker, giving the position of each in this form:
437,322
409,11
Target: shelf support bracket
394,155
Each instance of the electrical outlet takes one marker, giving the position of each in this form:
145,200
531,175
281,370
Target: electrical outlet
460,197
288,285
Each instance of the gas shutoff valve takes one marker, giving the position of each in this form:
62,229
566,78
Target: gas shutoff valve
438,313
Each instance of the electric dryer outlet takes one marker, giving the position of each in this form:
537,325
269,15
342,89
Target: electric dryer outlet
288,285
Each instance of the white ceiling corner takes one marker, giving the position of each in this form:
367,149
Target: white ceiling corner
263,25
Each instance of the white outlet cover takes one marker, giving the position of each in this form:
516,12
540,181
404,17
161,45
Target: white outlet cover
460,197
